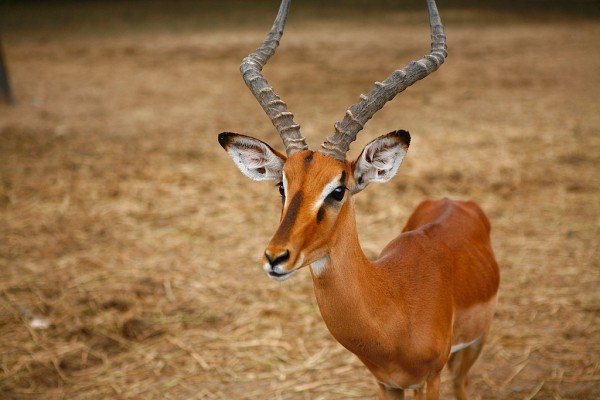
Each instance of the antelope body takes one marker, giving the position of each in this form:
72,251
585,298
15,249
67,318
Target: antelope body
429,299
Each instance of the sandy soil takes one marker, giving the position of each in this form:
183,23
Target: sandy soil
130,244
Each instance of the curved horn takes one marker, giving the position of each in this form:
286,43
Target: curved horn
275,108
357,115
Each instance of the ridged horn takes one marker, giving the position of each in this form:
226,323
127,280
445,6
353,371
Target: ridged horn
275,108
337,144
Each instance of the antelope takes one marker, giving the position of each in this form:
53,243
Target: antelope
429,298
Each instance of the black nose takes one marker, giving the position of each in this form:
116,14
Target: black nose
278,259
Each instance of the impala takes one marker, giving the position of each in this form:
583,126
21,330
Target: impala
429,299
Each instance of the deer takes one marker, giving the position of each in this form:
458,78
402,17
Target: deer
428,300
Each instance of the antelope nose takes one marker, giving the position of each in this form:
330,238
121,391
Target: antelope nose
276,259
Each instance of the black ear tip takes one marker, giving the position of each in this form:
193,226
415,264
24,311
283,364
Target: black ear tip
403,136
225,138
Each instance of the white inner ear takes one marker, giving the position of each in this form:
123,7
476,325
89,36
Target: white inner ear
255,159
378,162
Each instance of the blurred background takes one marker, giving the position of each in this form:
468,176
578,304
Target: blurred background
130,244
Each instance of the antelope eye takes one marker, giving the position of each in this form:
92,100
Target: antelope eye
338,193
281,189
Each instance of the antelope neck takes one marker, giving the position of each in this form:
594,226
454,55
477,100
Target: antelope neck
341,287
345,256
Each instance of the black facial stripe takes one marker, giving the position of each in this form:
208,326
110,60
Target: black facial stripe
320,214
290,217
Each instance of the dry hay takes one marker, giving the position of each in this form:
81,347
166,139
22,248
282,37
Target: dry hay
129,244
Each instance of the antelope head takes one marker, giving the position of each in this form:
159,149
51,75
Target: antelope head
316,187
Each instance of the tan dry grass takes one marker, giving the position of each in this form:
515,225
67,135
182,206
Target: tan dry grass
125,225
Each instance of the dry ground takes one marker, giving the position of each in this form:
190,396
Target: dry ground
126,227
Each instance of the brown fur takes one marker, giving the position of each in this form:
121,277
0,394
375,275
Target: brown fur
432,287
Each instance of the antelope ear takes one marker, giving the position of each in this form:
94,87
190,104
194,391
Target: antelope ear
380,159
256,159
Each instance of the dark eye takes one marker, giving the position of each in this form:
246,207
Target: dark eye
281,189
338,193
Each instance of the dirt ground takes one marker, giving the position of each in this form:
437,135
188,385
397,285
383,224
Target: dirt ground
130,243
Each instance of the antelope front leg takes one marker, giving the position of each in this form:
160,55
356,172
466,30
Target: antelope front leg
420,393
385,393
433,387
